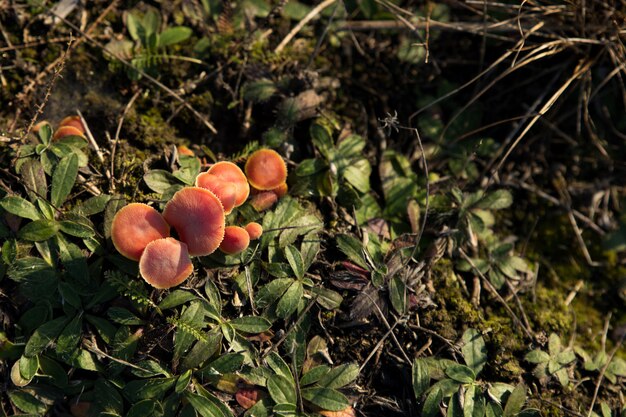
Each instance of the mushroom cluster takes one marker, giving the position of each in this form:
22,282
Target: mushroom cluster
69,126
198,215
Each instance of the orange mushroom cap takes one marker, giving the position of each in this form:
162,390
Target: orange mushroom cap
134,227
263,200
230,172
67,131
184,150
73,121
39,125
281,190
254,229
236,240
225,191
165,263
266,169
198,217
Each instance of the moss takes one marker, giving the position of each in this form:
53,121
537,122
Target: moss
547,311
149,129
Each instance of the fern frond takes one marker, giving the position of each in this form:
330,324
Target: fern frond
129,288
247,150
197,333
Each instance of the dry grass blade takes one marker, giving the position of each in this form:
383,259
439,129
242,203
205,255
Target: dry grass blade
581,68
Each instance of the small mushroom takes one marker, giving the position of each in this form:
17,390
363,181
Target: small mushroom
266,169
281,190
230,172
75,122
198,217
184,150
254,229
225,191
236,240
134,226
263,200
165,263
64,131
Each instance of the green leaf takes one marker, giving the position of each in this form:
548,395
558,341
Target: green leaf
133,25
251,324
284,410
38,230
398,294
358,174
295,261
52,371
45,133
93,205
202,351
229,362
288,303
145,408
192,317
173,35
183,381
176,298
474,350
108,398
76,225
353,249
454,406
63,179
259,91
20,207
537,356
34,179
123,316
420,377
279,366
310,166
328,299
28,366
314,375
281,389
516,401
159,180
461,373
340,376
27,403
326,398
496,200
566,357
431,404
474,402
143,389
322,140
70,336
44,335
493,410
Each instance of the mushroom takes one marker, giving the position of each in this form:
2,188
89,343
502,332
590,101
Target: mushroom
165,263
236,240
254,229
73,121
263,200
198,217
266,170
184,150
225,191
134,227
230,172
64,131
281,190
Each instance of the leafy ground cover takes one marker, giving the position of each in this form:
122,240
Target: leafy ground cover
451,242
